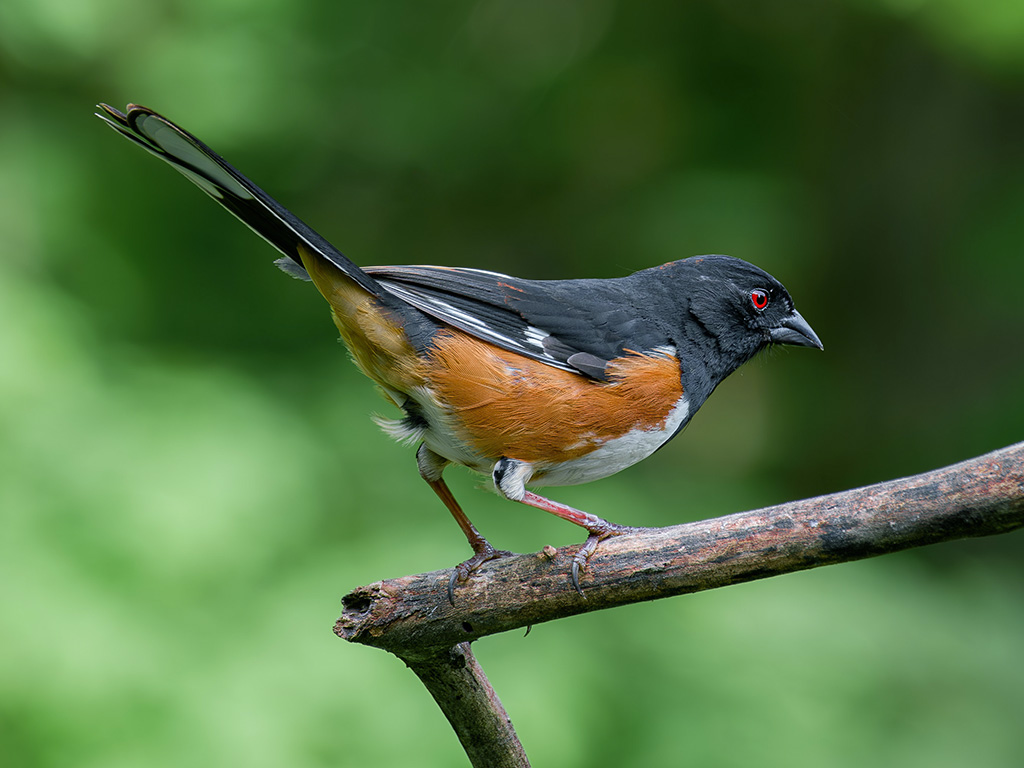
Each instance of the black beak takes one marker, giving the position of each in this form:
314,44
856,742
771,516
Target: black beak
795,330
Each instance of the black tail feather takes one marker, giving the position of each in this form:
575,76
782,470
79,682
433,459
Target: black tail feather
225,184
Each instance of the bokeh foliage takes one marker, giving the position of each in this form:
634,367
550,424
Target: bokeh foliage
189,481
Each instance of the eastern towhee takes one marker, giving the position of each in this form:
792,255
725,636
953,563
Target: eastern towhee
532,382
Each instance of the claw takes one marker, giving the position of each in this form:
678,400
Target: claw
579,561
463,570
598,533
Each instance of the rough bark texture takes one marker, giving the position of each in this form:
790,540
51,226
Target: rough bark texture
411,616
466,697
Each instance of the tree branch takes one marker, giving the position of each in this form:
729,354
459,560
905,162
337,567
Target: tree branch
460,687
412,618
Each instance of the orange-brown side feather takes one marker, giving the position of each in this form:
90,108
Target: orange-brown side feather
509,405
374,338
500,404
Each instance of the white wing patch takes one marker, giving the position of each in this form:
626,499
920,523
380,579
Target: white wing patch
536,336
530,344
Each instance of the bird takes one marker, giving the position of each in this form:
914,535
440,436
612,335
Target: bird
530,383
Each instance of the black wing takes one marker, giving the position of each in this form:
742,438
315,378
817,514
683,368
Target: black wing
575,325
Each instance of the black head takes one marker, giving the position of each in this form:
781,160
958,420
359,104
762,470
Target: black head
732,310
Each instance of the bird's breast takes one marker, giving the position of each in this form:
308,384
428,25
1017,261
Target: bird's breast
572,429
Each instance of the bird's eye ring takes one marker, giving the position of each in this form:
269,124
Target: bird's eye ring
759,299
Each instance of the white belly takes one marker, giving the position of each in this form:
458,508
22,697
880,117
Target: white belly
605,460
616,454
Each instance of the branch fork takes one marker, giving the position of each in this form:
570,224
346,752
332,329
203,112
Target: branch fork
412,617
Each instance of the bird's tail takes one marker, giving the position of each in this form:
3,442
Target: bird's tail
221,181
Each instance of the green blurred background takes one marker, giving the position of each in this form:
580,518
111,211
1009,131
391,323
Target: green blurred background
189,480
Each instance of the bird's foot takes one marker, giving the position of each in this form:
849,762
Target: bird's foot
483,552
598,532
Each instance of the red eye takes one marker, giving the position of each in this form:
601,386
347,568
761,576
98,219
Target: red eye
759,299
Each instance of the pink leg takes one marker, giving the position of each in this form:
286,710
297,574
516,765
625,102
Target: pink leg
431,466
598,528
592,523
482,549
